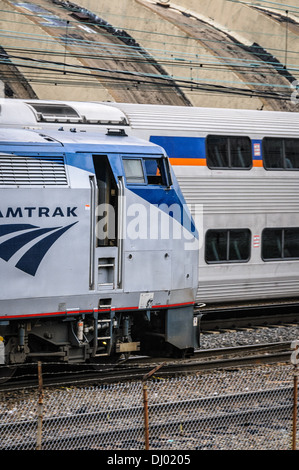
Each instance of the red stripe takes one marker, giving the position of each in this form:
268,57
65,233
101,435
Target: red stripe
71,312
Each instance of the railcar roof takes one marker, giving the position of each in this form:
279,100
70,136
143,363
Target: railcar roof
75,141
188,120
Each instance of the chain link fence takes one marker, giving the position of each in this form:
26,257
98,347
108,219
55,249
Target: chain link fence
254,408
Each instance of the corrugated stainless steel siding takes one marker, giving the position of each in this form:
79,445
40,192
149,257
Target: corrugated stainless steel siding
247,289
211,120
259,195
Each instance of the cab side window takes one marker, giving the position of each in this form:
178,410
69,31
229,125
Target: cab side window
147,171
154,171
134,170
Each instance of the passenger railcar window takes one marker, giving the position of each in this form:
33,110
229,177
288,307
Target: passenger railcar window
291,243
229,152
134,170
225,246
280,243
280,154
217,152
291,153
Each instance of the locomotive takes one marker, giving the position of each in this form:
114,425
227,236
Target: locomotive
98,248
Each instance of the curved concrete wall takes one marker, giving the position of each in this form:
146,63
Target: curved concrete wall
163,39
191,42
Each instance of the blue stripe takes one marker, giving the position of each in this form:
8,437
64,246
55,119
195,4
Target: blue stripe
14,244
164,199
31,260
181,147
10,228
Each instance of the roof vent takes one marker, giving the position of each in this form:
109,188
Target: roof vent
50,112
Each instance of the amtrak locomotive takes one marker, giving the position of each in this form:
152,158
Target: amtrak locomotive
98,249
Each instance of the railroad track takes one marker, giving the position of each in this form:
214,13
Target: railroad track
227,409
253,315
139,367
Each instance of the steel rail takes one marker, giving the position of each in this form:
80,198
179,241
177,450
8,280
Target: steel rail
137,367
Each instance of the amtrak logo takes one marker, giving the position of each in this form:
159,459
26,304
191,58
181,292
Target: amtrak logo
31,259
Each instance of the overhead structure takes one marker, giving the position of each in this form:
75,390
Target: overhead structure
181,53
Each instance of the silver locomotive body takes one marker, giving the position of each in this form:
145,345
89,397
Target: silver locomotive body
98,251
